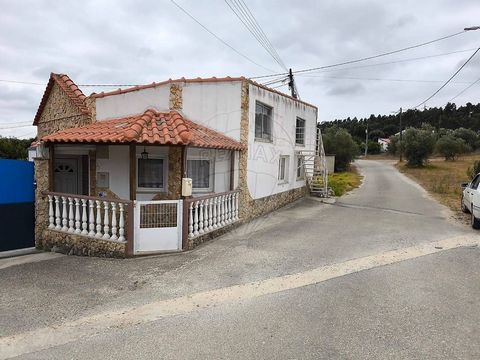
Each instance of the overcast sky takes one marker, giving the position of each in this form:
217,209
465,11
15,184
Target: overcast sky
135,42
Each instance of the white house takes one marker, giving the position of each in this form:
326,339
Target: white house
384,142
164,166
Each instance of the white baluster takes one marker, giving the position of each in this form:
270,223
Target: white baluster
200,218
114,222
121,224
91,218
51,217
206,215
71,216
106,228
214,217
195,221
99,220
222,210
58,219
84,217
64,214
190,220
219,211
78,230
228,212
237,199
210,214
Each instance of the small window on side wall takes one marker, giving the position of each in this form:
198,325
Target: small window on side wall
283,169
300,132
263,121
150,174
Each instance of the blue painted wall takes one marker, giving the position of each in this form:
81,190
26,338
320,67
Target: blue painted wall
16,181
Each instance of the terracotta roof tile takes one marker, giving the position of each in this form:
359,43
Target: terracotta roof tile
151,128
73,92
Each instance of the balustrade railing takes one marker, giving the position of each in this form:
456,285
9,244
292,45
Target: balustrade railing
211,212
94,217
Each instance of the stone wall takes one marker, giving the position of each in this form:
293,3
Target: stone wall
42,167
60,113
72,244
176,97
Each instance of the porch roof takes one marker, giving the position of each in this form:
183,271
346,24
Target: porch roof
150,128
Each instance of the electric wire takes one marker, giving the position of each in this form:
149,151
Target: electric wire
241,11
446,82
464,90
364,58
216,36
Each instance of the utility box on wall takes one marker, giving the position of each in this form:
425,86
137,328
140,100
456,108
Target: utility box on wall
186,187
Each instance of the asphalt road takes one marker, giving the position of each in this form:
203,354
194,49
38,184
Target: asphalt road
383,273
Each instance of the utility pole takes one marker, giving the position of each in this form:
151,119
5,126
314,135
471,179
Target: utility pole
291,83
401,137
366,140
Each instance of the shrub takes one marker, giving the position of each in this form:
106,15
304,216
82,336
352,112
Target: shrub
473,169
469,136
418,146
339,142
450,147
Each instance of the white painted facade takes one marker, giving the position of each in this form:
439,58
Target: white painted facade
217,105
263,156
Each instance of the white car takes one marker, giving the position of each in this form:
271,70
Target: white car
471,201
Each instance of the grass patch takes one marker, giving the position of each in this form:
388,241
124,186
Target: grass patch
345,181
442,179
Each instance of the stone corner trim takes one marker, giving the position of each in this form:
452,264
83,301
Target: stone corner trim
176,97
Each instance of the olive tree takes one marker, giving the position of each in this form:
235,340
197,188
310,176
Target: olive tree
418,145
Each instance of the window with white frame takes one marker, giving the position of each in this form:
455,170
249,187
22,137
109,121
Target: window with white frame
300,132
283,169
263,121
151,174
200,170
300,168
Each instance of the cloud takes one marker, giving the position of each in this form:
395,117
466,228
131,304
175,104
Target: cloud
122,42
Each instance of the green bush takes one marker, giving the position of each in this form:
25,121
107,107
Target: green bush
418,146
473,169
469,136
338,142
450,147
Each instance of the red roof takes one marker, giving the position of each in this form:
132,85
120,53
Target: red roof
71,90
150,128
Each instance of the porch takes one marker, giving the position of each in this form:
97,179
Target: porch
155,183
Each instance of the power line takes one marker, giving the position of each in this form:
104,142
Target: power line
446,82
381,79
366,58
391,62
15,126
243,13
85,85
464,90
217,37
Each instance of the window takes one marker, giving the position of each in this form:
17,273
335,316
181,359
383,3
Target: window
300,132
263,121
200,171
283,169
474,183
150,174
300,168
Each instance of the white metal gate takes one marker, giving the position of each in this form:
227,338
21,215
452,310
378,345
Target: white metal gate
158,226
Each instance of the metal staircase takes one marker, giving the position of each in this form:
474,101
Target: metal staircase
315,169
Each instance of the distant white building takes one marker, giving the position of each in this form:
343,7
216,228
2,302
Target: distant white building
384,142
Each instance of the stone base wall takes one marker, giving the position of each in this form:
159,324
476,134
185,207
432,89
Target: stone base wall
193,243
72,244
262,206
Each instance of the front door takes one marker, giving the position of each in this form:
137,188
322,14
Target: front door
66,175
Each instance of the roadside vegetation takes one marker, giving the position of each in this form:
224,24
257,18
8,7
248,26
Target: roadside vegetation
345,181
442,179
13,148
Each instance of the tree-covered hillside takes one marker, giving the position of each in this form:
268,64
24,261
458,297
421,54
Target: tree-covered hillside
449,117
